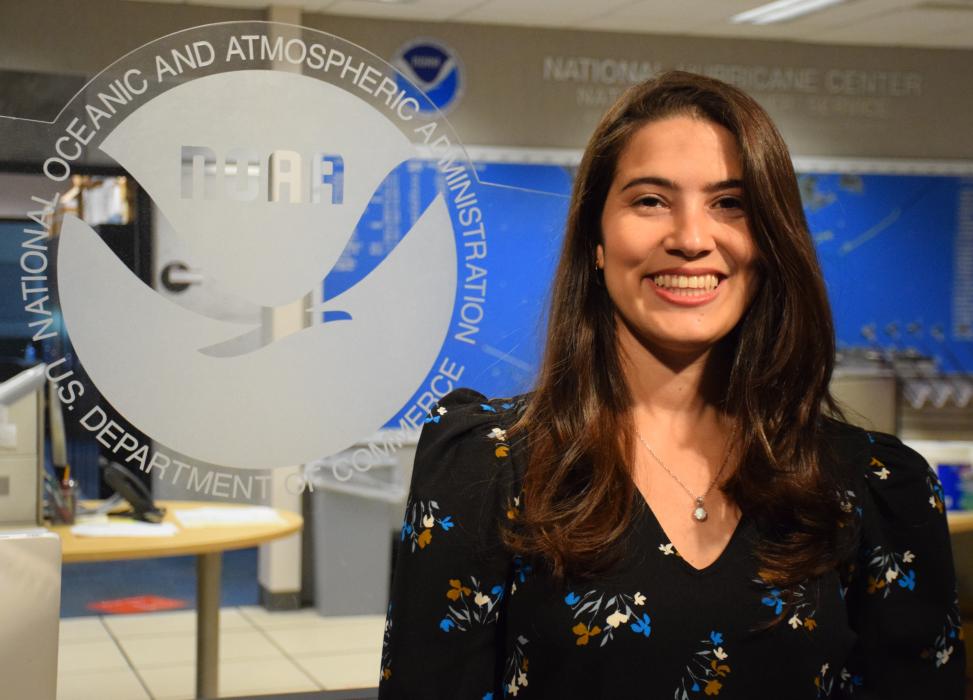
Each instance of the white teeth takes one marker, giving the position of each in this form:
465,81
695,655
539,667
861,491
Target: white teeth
692,284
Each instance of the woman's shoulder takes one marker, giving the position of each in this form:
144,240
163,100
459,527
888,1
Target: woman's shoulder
461,409
466,474
897,480
466,441
466,421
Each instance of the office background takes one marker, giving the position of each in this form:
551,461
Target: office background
873,98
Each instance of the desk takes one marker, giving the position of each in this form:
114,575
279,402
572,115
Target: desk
959,522
208,544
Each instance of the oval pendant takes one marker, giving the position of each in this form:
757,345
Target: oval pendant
699,513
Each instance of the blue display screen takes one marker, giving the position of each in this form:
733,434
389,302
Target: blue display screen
13,316
896,251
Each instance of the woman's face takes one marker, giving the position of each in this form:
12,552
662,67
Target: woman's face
679,261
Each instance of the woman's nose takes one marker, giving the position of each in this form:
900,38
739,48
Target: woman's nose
690,236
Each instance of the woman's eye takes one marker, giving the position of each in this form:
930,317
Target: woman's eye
649,201
730,203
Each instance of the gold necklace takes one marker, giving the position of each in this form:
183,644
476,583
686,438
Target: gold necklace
699,511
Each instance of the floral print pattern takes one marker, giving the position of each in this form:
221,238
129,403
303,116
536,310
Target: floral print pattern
421,519
937,497
502,447
946,642
848,682
470,605
515,669
513,507
436,415
848,501
599,616
386,655
497,434
706,671
521,570
801,608
824,682
878,469
886,569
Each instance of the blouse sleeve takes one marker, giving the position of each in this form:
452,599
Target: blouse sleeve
444,629
901,598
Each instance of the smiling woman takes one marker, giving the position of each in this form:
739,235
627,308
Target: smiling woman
677,510
677,254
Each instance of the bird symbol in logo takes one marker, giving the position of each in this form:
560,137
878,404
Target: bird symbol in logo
214,389
334,284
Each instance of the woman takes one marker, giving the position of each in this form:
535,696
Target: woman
671,513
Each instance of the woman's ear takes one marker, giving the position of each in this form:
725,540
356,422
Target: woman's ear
599,257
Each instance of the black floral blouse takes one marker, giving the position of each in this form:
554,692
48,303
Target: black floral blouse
468,621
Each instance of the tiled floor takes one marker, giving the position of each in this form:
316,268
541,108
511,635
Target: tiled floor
152,656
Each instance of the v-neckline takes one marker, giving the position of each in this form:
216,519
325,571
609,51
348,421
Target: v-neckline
653,521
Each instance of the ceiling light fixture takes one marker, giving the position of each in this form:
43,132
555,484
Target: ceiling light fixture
782,10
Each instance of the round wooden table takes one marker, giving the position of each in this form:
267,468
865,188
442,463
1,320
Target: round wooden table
207,544
959,522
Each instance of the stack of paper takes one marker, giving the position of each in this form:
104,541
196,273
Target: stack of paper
124,528
215,517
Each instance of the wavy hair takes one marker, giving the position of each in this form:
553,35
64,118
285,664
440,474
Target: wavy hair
578,489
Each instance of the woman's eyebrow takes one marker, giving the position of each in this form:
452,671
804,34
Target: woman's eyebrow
730,184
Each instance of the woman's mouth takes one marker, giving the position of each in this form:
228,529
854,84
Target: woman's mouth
688,286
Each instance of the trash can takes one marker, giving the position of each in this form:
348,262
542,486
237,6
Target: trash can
352,543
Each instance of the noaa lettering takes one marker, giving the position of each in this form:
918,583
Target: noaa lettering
243,176
193,56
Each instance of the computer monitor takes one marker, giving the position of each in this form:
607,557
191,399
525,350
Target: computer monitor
21,445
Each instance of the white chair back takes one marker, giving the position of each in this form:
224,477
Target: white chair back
30,601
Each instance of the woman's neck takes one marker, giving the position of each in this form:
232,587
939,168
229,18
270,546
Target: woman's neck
677,392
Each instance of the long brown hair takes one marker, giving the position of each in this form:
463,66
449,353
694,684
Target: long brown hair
578,491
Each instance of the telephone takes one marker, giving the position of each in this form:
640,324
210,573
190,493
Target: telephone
128,486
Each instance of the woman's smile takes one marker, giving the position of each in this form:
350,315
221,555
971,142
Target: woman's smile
686,287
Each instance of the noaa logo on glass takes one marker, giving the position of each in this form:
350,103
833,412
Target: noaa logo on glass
267,178
432,67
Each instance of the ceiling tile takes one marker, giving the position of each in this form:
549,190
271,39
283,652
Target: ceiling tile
686,12
418,10
242,4
692,17
546,13
662,25
846,13
905,27
313,5
867,22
